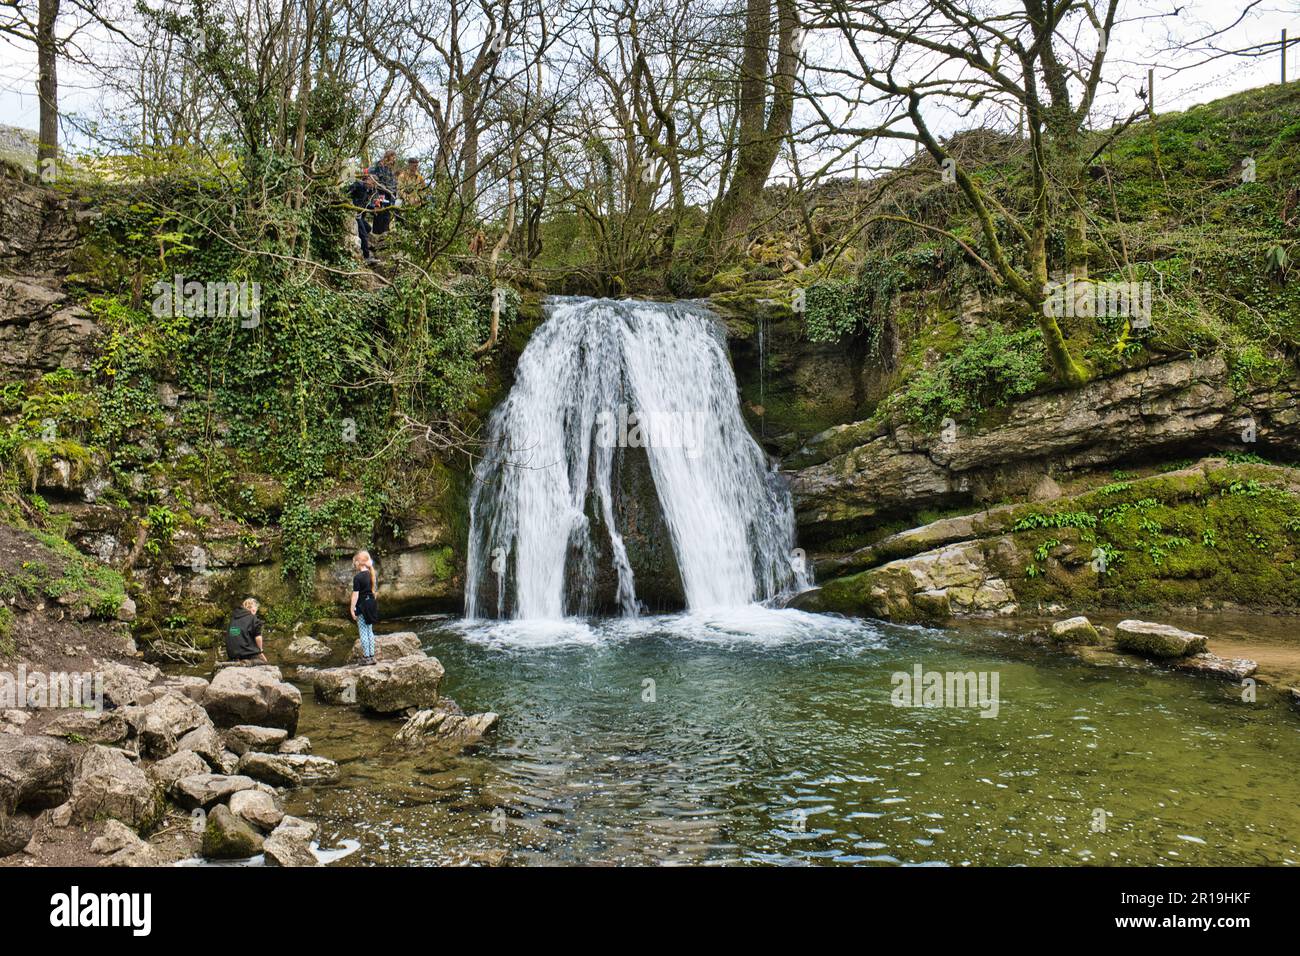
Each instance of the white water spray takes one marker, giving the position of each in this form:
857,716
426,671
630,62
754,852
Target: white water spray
599,376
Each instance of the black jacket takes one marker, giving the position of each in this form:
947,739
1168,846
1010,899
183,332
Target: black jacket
361,195
242,633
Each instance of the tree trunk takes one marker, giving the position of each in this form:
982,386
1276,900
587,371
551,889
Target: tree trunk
47,86
762,129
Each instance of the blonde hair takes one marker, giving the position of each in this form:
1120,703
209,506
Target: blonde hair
362,560
250,604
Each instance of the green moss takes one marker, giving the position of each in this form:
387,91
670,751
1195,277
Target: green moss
8,645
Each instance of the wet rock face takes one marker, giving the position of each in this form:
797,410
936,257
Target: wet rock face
639,518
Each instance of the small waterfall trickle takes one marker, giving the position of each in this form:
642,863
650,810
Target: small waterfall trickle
600,380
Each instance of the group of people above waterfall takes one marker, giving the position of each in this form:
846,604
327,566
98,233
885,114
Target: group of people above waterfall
373,194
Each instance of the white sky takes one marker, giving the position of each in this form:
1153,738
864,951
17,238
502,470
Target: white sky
1135,49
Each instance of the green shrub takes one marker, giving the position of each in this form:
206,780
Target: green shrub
989,371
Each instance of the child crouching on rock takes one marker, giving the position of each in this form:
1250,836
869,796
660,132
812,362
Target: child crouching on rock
244,634
364,607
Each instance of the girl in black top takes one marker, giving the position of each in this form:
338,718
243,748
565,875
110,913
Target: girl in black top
364,608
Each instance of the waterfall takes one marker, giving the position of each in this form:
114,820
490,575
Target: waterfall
601,379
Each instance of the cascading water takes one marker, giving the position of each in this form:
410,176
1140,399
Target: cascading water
599,378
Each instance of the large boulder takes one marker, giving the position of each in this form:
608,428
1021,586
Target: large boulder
391,687
228,837
159,724
290,843
240,740
336,685
109,786
108,727
289,770
123,683
208,789
391,647
258,808
305,650
253,695
36,774
1157,640
204,741
446,725
1075,630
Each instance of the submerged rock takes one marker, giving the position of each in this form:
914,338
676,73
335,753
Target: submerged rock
1157,640
1229,668
289,770
1075,630
227,837
446,725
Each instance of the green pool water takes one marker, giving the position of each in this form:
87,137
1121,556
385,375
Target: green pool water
771,737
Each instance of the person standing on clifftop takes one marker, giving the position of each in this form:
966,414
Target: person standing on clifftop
365,608
386,182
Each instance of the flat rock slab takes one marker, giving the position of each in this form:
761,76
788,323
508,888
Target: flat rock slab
1158,640
240,740
208,789
391,647
1229,668
289,770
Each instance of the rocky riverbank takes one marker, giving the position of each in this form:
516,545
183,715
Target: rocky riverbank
107,760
